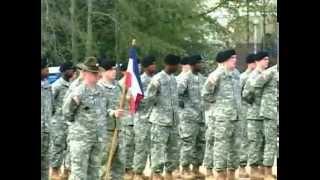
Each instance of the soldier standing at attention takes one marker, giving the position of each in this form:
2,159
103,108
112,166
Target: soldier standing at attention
46,113
192,125
250,60
223,86
209,150
162,90
141,122
268,81
88,105
253,97
58,124
112,91
185,67
127,130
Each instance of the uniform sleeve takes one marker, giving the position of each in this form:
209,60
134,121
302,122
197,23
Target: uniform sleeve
248,91
152,90
262,79
209,87
69,106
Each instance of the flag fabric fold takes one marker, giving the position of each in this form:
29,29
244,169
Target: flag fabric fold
133,81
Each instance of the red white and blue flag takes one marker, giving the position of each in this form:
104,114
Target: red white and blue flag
133,81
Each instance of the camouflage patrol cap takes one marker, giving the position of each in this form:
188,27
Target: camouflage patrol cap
91,65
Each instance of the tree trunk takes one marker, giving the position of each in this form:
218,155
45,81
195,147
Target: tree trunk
89,30
248,29
74,50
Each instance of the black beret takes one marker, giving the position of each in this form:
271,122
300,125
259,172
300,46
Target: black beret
260,55
107,64
123,66
147,61
250,58
225,55
171,59
185,60
195,59
65,66
44,62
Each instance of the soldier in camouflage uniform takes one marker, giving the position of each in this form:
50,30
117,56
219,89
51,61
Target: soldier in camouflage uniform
252,95
141,122
162,90
76,82
127,130
89,106
250,60
112,89
268,81
46,112
191,125
185,67
209,149
223,85
58,125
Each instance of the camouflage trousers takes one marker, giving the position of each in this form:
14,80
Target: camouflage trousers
142,145
226,144
58,137
45,140
208,154
128,135
244,143
164,148
117,166
256,142
192,143
270,146
85,159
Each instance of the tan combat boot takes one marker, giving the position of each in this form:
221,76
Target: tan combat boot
55,173
128,175
168,176
197,173
156,176
221,175
65,174
209,174
261,171
268,174
138,177
254,173
243,172
176,173
231,174
186,173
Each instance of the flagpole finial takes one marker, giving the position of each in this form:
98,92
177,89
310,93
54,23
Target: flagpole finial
133,42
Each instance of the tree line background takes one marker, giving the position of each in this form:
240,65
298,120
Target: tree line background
74,29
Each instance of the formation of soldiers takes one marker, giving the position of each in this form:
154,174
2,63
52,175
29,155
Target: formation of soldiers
224,122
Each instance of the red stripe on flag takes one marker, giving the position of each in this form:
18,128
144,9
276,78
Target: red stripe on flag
128,79
135,102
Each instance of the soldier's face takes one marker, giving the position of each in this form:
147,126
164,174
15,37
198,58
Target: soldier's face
45,72
231,62
172,68
151,68
91,77
265,62
69,73
110,74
